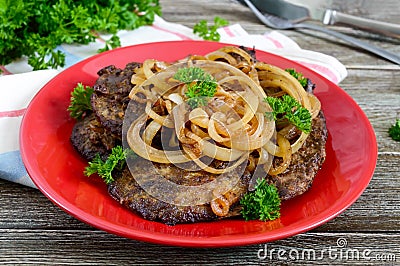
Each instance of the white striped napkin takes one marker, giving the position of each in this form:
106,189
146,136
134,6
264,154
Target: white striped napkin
19,83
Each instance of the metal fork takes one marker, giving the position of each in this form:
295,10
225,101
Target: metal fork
283,24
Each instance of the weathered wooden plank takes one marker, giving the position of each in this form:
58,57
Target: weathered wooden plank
378,94
377,209
83,247
370,9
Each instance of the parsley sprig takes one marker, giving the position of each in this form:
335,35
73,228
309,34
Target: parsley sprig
209,32
34,28
298,76
110,44
201,86
80,101
116,160
394,130
289,108
263,203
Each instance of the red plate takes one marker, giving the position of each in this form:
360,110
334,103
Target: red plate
57,169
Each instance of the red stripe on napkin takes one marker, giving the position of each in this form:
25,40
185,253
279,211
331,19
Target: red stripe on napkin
14,113
322,69
5,71
228,31
275,42
182,36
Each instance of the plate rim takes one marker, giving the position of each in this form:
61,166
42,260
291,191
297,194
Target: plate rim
177,240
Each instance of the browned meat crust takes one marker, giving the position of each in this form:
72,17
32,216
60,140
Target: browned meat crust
127,191
89,138
110,98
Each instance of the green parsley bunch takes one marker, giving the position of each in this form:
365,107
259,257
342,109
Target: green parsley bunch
288,108
80,101
261,204
297,75
116,160
33,28
394,130
201,86
209,32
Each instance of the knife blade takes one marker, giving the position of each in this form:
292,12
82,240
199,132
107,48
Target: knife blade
300,10
315,8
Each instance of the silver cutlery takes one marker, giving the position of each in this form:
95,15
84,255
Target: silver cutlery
283,24
319,10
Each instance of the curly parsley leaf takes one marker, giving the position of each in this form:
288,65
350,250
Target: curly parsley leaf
289,108
263,203
209,32
110,44
200,92
201,86
80,101
189,74
298,76
116,160
394,130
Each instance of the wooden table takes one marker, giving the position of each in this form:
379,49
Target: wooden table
34,231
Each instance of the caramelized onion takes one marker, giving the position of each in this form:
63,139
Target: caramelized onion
220,206
231,127
146,151
284,145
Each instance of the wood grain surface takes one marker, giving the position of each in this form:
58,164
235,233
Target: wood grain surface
35,231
